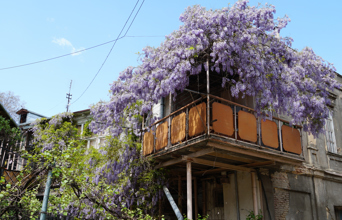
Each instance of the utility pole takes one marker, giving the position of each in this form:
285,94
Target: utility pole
68,96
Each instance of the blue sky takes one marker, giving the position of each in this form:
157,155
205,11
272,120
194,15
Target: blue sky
37,30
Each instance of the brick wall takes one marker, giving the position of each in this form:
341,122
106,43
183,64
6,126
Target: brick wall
281,195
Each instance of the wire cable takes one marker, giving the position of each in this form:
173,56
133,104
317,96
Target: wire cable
79,51
113,46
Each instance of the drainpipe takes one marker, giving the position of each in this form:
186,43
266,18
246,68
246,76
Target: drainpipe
46,196
172,203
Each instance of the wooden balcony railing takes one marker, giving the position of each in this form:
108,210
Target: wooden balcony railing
227,120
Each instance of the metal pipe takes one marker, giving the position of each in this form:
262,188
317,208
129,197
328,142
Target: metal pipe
189,190
46,196
172,203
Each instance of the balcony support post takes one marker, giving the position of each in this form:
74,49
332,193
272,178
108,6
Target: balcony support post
169,121
254,190
186,124
189,190
280,138
208,99
235,122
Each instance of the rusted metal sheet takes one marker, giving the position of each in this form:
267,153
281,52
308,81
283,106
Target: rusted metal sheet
161,136
223,121
291,139
247,126
269,133
11,176
148,143
178,128
197,119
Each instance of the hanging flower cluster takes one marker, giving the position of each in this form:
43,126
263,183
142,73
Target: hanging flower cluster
242,44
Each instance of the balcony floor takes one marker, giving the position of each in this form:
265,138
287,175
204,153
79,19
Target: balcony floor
223,153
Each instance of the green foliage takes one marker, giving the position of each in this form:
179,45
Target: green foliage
12,134
199,217
252,216
86,131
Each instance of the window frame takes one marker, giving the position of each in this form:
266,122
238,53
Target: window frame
330,138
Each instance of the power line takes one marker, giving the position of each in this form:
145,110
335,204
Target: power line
113,46
68,54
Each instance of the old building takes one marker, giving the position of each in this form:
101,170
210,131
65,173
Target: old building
226,162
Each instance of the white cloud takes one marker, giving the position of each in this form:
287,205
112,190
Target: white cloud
64,42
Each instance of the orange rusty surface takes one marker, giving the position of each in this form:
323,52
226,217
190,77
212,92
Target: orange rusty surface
247,126
269,133
197,119
11,176
148,143
291,139
223,119
161,135
178,128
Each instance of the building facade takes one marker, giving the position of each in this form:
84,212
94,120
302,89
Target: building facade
227,163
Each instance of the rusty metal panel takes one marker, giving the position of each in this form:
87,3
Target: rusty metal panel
161,135
11,176
291,139
178,128
223,119
148,143
197,119
269,133
247,126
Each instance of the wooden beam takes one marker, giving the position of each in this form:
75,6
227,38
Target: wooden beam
237,148
231,157
178,160
210,171
258,164
215,164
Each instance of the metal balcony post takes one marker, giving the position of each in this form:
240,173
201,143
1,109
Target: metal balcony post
280,138
169,120
235,122
208,99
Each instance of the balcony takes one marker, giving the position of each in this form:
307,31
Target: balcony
213,131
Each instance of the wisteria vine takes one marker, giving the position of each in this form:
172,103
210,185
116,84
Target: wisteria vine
244,46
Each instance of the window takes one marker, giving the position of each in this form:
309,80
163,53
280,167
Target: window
338,213
330,134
